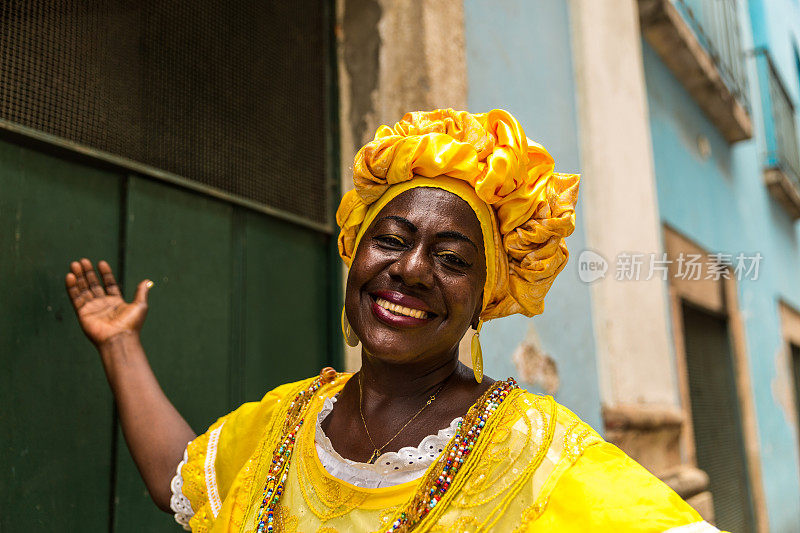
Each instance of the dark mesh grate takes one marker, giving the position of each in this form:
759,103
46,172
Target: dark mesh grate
715,415
231,97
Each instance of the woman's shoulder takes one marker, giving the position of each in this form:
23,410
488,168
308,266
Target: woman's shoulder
256,412
214,459
250,416
580,475
541,421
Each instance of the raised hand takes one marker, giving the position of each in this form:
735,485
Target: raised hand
155,431
102,312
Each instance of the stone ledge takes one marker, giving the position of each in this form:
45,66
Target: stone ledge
783,190
668,33
686,480
640,416
650,434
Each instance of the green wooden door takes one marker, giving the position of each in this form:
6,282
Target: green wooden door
55,407
242,302
191,143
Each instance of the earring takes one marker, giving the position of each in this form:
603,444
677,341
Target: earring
477,354
349,335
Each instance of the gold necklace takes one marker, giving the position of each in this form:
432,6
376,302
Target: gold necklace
377,450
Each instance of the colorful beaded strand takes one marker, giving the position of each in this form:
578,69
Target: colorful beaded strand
281,457
425,498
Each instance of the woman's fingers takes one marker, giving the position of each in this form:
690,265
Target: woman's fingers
91,278
80,281
72,289
108,278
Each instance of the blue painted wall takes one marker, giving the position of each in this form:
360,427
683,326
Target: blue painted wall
519,58
721,203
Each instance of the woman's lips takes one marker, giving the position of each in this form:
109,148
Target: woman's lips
398,309
404,300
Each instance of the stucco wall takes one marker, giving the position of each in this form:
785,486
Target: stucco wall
519,58
720,202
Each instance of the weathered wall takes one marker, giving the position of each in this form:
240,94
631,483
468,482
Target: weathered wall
394,56
519,58
720,202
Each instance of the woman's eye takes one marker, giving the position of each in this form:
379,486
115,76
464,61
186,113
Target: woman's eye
390,240
452,259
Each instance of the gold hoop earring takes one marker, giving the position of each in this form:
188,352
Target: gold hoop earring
350,336
477,354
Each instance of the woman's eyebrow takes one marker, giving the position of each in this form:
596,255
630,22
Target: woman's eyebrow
450,234
405,222
457,236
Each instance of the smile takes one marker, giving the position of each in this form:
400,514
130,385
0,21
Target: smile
401,310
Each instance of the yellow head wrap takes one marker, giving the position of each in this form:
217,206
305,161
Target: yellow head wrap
524,208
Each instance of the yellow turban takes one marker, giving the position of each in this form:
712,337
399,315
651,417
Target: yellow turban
524,208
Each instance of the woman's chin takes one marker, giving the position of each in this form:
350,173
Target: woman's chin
390,351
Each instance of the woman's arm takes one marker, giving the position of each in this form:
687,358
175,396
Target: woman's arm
155,431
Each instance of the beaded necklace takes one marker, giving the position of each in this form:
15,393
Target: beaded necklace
432,487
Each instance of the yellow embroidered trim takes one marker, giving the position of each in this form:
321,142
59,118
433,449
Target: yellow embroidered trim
530,469
468,497
470,464
285,522
311,476
577,438
246,499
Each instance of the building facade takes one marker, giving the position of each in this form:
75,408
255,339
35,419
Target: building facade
673,329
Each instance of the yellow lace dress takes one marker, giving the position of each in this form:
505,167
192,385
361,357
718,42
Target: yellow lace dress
535,468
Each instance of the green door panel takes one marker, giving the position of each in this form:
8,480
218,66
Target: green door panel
55,405
286,304
242,302
182,241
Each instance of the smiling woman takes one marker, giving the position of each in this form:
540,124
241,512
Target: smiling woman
415,284
455,219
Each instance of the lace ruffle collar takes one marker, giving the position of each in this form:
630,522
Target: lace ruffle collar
390,468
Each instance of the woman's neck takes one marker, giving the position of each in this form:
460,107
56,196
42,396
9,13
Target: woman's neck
390,399
380,379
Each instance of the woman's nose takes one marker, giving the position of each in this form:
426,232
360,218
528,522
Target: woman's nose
413,268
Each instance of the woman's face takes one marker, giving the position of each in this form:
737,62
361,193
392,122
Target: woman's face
416,282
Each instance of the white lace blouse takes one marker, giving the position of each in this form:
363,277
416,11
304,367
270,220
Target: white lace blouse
391,468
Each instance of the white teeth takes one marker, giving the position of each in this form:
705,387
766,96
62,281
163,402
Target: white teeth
400,310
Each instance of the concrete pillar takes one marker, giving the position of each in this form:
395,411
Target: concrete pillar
638,386
621,209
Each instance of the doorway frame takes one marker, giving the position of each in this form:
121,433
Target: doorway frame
719,298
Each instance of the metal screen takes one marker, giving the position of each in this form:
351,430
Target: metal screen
230,95
715,415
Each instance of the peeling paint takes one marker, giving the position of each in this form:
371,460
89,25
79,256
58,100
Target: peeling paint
533,365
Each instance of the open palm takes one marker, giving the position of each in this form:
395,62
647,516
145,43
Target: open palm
102,312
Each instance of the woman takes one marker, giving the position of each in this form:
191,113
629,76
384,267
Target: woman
455,219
